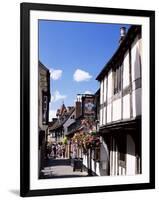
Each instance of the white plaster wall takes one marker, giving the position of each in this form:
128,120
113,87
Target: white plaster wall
113,158
136,102
104,115
105,86
126,106
109,113
93,166
85,160
97,169
101,102
101,117
110,85
135,59
126,79
130,156
117,110
101,92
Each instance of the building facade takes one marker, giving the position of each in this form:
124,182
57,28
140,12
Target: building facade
59,128
84,130
43,110
120,106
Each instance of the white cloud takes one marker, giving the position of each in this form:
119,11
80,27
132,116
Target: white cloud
57,96
55,74
52,114
88,92
81,75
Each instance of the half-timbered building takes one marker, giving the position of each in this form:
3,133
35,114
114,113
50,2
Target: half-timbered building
120,105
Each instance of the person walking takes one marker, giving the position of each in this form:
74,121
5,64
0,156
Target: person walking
54,150
59,150
63,151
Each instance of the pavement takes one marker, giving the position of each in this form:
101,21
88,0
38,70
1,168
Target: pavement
60,168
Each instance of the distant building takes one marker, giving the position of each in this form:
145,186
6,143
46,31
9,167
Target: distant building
120,106
65,117
51,135
85,108
70,119
43,109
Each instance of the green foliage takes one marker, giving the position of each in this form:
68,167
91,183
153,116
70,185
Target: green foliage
65,141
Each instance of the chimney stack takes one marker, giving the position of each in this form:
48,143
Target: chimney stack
122,34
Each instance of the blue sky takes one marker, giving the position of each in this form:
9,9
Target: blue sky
75,53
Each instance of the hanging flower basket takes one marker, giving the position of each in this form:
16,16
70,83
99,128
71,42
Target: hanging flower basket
86,140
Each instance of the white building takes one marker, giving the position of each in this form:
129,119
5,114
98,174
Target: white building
59,129
70,120
120,106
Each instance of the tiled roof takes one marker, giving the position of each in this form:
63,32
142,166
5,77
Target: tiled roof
59,123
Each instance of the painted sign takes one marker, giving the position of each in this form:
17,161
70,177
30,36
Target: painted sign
88,106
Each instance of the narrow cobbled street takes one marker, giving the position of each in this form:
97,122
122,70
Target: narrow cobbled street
60,168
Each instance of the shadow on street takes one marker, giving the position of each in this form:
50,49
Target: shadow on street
60,168
57,161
